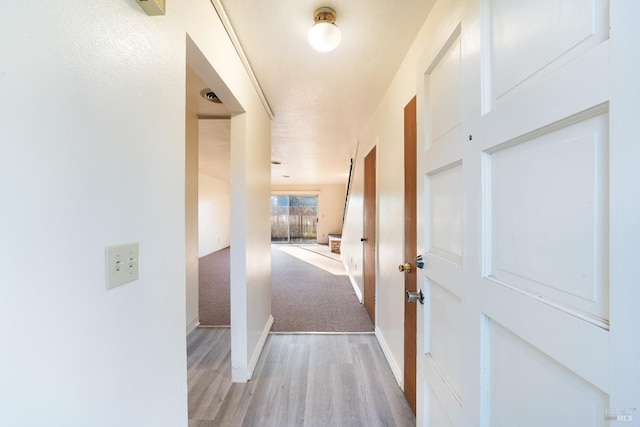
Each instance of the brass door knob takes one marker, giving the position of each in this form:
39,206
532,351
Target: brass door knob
406,268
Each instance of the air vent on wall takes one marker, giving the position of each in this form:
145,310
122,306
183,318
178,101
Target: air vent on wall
209,95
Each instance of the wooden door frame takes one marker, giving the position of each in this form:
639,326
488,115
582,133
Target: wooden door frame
410,250
369,238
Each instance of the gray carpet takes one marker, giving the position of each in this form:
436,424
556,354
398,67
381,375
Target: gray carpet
304,297
214,293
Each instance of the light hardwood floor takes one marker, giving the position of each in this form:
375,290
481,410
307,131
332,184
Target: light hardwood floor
300,380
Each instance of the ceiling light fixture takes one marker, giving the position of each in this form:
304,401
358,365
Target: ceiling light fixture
324,35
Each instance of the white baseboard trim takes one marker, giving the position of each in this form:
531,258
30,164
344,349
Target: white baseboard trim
214,326
258,351
356,289
192,325
321,333
393,364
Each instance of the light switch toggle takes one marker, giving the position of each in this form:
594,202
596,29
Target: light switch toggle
121,264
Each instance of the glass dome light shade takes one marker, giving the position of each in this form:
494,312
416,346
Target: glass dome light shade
324,36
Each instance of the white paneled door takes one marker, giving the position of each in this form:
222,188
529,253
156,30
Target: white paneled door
513,208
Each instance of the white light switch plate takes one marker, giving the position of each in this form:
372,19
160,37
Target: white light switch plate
122,264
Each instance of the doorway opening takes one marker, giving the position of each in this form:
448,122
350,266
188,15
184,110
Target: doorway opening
294,219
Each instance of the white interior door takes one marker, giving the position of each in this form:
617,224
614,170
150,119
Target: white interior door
513,215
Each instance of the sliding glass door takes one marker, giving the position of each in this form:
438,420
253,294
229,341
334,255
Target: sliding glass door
294,219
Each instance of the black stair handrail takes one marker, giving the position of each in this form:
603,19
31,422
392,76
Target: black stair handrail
346,199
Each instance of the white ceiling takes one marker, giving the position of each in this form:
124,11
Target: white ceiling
321,100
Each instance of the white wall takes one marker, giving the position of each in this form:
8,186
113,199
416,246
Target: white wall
191,218
386,131
99,161
330,205
250,241
214,213
351,247
250,179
